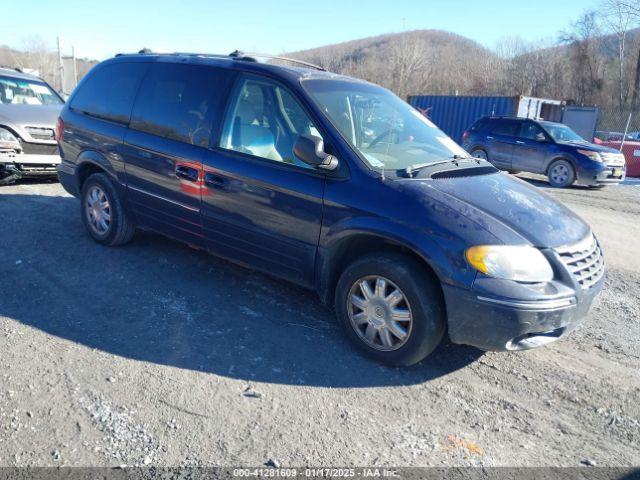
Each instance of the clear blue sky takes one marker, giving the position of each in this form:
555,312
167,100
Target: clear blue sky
101,29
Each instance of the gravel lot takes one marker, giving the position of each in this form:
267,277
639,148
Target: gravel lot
155,353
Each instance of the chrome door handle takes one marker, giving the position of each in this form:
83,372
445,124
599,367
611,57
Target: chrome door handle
519,142
188,173
215,181
489,138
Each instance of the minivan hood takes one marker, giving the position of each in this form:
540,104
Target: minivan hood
513,203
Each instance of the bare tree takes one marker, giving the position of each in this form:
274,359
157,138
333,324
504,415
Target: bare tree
618,16
583,39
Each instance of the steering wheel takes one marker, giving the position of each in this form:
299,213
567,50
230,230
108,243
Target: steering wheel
386,133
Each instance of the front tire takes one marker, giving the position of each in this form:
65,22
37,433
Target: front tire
103,213
561,174
390,308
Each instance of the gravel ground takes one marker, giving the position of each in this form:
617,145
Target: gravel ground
158,354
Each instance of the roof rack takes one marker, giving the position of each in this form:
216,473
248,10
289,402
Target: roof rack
16,69
235,55
253,57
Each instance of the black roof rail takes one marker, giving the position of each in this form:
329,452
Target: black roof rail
16,69
253,57
235,55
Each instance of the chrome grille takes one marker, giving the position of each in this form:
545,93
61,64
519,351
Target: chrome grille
40,133
584,260
613,159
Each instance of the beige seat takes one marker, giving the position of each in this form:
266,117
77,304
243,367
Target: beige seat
250,136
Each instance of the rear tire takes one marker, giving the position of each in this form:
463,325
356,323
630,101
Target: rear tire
561,174
407,291
480,153
103,213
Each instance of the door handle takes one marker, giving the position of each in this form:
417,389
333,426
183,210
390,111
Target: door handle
489,138
215,181
144,154
519,142
188,173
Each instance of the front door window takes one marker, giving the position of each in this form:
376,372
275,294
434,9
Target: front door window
265,121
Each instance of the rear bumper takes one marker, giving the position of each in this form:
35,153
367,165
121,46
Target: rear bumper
498,323
67,177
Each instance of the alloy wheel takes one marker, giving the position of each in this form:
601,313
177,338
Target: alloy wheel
560,174
479,154
379,313
98,210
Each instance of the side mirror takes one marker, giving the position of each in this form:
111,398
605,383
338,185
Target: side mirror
310,149
541,138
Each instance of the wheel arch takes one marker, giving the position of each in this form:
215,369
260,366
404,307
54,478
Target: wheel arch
90,162
356,244
566,158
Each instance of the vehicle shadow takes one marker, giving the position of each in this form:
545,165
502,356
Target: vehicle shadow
541,182
159,301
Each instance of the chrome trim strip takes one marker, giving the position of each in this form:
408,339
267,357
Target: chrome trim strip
525,305
580,246
160,197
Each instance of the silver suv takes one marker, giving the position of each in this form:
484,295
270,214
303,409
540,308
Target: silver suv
29,109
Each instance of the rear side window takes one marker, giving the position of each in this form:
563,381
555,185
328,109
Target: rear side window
109,92
506,127
480,125
179,101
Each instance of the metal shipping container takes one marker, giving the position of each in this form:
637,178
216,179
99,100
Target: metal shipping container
454,114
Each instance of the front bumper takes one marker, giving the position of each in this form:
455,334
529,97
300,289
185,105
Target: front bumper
492,321
601,174
27,165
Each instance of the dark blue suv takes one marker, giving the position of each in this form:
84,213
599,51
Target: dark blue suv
334,184
548,148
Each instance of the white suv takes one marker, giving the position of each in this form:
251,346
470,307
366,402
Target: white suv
29,109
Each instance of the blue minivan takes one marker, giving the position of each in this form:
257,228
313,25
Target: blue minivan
332,183
547,148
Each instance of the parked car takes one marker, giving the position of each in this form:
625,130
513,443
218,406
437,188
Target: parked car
631,151
609,136
29,108
548,148
334,184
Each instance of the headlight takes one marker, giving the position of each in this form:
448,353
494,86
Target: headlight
592,155
8,140
519,263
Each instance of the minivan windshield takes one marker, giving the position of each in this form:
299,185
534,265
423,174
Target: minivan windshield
26,92
562,133
388,132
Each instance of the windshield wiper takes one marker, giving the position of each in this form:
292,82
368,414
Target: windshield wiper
411,169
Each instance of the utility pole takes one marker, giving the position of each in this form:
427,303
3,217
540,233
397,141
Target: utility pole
60,67
636,85
634,99
75,67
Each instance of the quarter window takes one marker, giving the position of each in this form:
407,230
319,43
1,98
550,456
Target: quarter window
179,101
510,128
265,120
108,92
